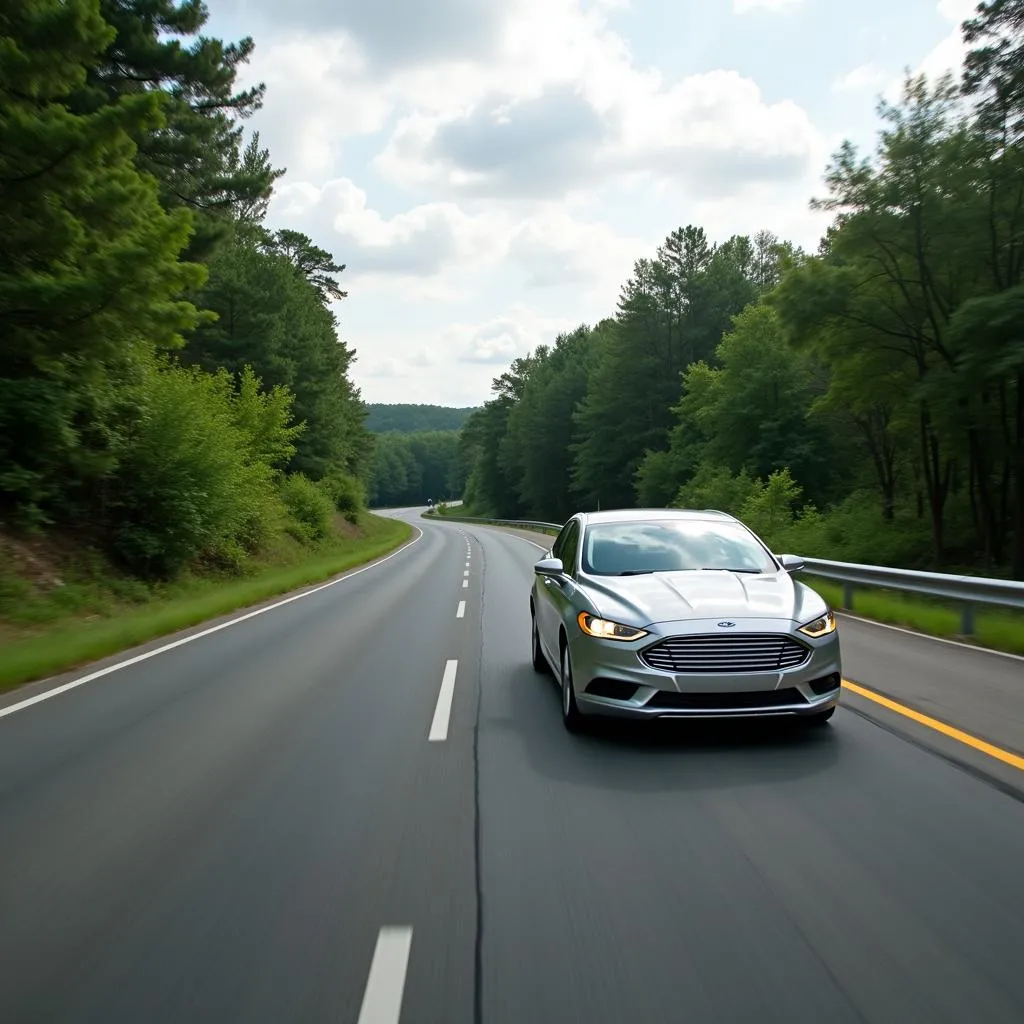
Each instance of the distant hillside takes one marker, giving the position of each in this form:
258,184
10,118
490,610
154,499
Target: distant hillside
410,419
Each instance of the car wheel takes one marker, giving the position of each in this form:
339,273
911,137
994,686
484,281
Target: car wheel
572,717
540,663
821,717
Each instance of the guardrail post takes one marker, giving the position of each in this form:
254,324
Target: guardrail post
848,597
967,620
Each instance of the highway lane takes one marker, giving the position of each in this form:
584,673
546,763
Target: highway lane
722,874
221,832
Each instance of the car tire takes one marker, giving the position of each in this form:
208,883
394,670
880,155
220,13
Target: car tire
572,717
821,717
540,663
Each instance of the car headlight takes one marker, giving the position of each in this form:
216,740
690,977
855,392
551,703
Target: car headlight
821,626
605,630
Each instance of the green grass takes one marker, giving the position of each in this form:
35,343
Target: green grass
121,614
997,628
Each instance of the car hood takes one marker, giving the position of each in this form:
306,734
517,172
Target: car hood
672,596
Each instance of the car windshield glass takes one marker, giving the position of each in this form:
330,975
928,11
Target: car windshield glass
681,545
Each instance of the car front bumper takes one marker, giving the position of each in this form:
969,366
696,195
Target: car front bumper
610,678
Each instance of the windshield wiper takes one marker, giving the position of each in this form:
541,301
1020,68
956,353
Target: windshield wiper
725,568
703,568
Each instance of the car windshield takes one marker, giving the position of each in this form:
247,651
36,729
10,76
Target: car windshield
672,545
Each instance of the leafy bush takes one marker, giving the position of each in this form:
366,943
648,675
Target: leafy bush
265,418
715,487
309,507
855,531
768,510
346,493
187,480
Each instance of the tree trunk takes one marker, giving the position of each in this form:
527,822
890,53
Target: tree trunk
1018,502
936,478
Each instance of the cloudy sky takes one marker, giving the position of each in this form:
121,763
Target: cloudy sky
490,169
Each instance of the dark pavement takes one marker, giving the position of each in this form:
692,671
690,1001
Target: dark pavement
220,833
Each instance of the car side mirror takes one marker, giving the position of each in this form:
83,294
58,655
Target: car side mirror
549,567
791,563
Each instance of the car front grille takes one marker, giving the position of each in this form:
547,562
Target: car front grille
726,701
713,653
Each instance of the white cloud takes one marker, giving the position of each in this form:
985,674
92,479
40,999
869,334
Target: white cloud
498,341
316,99
461,359
422,242
554,103
744,6
948,54
464,156
554,250
863,78
957,11
713,131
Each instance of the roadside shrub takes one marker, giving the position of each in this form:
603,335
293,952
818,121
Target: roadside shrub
265,418
715,487
310,509
768,510
346,493
187,482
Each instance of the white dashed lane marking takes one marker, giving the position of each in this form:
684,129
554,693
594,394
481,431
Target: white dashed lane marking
382,1000
443,710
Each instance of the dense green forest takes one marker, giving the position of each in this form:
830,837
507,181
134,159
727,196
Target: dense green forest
414,419
409,469
865,401
416,454
173,389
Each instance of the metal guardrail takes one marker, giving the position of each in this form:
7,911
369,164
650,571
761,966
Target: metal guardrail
966,591
527,524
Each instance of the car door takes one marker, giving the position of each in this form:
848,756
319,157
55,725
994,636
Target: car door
555,594
542,593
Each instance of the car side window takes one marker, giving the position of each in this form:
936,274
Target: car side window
559,545
570,548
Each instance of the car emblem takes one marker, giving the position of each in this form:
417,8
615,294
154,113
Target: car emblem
727,625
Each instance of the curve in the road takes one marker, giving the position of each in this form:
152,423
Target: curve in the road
362,806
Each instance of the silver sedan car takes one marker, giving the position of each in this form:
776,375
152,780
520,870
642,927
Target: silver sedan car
660,613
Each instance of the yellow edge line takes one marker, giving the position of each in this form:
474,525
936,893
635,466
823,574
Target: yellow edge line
1014,760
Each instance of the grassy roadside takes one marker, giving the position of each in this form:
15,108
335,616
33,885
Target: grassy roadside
83,622
996,628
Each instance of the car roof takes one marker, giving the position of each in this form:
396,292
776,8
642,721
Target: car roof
633,515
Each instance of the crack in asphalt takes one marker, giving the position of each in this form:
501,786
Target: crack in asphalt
478,1011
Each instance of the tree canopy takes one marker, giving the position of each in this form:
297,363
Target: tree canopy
865,401
410,419
170,367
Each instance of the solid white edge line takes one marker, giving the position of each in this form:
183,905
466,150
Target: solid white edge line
540,547
385,985
927,636
462,610
146,655
443,710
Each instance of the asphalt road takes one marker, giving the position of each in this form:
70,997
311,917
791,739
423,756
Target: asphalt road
361,800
